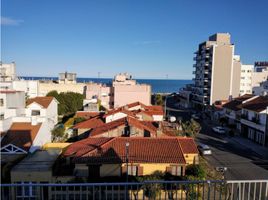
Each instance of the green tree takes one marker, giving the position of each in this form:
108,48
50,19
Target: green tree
69,102
190,128
58,134
159,100
196,171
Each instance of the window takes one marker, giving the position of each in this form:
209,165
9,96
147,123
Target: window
176,170
2,116
35,112
28,192
133,170
1,102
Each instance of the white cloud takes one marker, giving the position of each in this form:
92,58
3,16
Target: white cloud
7,21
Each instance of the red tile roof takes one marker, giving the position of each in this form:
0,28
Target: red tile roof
123,122
136,104
121,109
21,134
87,115
113,150
90,123
236,104
43,101
188,145
258,104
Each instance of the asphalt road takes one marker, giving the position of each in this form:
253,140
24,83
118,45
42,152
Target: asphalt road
239,160
242,163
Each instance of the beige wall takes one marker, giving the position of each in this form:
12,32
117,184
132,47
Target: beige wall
125,94
191,159
110,170
44,88
30,176
221,72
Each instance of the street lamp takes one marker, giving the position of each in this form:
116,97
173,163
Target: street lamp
222,170
127,147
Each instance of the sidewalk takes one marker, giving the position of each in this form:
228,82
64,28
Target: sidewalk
262,151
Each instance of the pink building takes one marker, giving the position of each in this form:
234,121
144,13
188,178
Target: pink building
124,90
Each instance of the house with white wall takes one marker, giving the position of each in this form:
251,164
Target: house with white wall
232,109
43,109
254,120
12,104
24,137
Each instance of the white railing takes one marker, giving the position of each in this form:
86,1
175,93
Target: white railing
217,190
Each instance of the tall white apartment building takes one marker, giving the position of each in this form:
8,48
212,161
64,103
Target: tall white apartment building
246,79
217,71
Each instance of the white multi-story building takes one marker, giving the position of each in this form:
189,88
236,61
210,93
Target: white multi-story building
217,71
246,79
7,72
12,104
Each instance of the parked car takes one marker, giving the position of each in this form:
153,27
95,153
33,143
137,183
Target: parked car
204,149
219,129
172,119
195,116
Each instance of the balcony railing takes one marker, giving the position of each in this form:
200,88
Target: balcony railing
256,189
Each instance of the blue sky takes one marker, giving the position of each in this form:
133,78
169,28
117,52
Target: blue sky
147,38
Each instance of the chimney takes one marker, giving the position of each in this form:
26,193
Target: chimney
34,121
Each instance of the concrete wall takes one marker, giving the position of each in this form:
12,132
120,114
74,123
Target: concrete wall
221,72
43,137
44,88
125,94
114,117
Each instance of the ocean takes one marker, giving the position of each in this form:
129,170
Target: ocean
158,85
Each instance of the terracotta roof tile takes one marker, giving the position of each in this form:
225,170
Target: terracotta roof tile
87,115
43,101
113,150
236,104
188,145
258,104
105,127
21,135
90,123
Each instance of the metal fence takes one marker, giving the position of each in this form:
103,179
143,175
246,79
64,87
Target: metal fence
217,190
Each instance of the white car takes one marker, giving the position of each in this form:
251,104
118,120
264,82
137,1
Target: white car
204,149
219,129
195,116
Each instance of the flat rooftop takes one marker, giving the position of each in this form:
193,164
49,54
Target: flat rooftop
41,160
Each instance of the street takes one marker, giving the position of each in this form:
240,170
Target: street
237,158
242,163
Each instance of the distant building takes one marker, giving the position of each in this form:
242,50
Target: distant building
246,79
262,89
12,104
7,72
9,81
217,71
124,90
67,77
